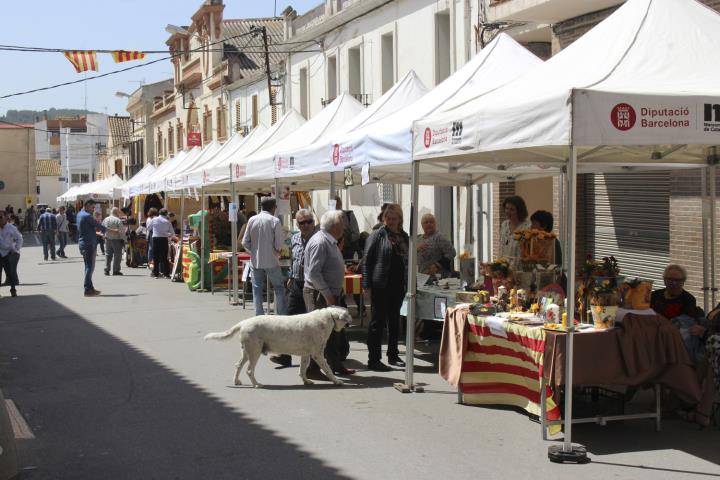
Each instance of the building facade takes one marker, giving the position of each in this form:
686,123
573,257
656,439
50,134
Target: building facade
75,143
141,103
17,166
49,186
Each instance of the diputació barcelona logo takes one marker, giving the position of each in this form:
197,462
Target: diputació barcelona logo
427,137
623,116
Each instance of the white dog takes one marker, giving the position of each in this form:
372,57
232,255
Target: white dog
304,335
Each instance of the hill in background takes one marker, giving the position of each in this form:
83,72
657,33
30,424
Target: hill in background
30,116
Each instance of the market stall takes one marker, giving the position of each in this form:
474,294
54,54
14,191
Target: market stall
620,96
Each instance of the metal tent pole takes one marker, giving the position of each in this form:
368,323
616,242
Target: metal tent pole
713,231
704,216
233,242
409,384
202,239
331,195
567,452
182,229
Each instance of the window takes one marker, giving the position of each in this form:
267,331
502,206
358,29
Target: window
159,143
332,88
179,130
221,119
254,111
442,46
354,71
207,126
238,119
170,139
304,92
80,178
387,56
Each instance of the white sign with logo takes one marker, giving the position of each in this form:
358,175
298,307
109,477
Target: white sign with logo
619,119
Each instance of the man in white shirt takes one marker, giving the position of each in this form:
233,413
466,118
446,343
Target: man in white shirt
114,241
263,240
11,242
161,231
63,230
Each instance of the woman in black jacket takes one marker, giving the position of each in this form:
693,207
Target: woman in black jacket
385,277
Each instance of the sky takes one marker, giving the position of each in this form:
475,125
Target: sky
92,24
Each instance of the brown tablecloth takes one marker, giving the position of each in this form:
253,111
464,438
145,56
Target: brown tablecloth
453,344
644,349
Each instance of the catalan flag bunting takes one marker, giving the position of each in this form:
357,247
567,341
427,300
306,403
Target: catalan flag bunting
125,56
83,60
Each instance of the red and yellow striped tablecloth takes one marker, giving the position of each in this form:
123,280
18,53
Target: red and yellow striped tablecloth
499,370
353,284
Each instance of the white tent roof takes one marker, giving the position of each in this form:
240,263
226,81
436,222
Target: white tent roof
98,190
156,181
389,141
128,189
264,164
220,160
322,156
175,176
69,194
640,88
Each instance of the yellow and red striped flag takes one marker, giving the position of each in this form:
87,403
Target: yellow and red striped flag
125,56
83,60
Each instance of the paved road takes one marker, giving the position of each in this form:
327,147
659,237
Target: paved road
123,387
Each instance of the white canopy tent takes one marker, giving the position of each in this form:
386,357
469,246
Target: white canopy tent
98,190
175,175
126,189
202,173
387,141
156,181
638,90
325,154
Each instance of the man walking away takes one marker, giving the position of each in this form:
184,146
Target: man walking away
161,231
263,240
296,282
47,225
11,242
115,241
87,241
63,229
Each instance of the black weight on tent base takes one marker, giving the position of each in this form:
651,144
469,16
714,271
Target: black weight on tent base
577,454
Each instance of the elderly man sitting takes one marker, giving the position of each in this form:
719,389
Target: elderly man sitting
324,276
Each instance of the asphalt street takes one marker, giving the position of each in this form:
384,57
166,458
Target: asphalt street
122,386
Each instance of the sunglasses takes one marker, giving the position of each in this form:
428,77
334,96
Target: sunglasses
675,280
306,222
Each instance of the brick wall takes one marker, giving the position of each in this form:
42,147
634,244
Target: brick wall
501,191
686,227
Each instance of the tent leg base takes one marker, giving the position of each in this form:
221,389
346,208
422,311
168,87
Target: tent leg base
405,388
578,454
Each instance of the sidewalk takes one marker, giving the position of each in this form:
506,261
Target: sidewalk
122,386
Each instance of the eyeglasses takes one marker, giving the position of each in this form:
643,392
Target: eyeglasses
674,280
307,222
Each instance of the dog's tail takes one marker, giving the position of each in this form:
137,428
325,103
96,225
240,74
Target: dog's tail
224,335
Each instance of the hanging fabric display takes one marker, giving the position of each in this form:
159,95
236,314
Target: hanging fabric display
82,60
126,56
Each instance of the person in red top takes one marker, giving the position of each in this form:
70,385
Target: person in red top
673,301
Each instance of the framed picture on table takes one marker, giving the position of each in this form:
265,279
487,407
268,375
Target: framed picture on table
440,308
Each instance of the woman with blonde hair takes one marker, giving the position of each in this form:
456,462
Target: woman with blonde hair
385,277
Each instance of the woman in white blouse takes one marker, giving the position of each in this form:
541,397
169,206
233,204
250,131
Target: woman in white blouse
516,218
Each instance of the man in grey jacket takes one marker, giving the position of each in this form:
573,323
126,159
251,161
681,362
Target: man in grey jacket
63,230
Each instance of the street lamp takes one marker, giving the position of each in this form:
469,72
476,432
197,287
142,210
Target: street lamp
173,29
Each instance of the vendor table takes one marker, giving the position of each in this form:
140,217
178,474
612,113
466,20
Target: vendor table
495,362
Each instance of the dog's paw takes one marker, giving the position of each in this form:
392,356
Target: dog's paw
237,382
258,385
308,382
338,382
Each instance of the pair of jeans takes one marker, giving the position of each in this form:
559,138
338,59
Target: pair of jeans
62,242
113,254
88,253
160,251
9,264
101,243
150,254
386,303
48,241
258,282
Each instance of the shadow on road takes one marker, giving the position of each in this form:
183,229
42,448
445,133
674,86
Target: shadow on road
101,409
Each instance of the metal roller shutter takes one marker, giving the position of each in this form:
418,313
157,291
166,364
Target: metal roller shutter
631,214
